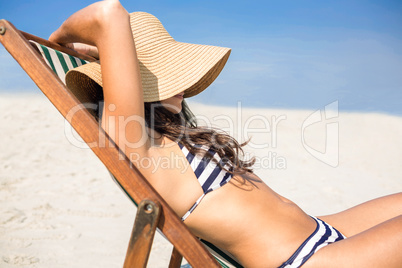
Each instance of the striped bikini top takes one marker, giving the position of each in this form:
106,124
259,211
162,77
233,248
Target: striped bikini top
209,174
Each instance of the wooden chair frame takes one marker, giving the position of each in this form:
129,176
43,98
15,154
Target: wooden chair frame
153,211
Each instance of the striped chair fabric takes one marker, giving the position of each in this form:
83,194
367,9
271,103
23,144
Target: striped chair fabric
61,63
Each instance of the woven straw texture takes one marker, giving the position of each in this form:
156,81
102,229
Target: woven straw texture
167,67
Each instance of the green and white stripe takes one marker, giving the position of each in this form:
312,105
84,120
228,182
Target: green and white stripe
224,258
59,62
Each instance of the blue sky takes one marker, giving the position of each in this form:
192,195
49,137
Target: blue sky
287,54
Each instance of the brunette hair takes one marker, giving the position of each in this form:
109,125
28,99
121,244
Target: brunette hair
182,127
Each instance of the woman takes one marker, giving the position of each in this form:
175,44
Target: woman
259,227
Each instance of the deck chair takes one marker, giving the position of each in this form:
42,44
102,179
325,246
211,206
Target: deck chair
46,63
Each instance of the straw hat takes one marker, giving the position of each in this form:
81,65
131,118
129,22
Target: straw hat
167,67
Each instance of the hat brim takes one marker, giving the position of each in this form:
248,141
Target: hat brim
181,67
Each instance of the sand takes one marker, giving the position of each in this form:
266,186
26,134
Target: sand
59,207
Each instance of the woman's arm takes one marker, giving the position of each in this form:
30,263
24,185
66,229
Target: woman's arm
106,25
84,49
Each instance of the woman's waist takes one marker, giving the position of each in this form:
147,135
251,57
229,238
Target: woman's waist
247,203
240,216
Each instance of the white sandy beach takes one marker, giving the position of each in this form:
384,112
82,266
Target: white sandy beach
59,207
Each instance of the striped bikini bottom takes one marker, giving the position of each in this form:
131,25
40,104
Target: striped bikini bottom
323,235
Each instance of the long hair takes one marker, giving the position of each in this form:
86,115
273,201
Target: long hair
182,127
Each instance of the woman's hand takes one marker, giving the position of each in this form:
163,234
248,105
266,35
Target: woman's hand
84,49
